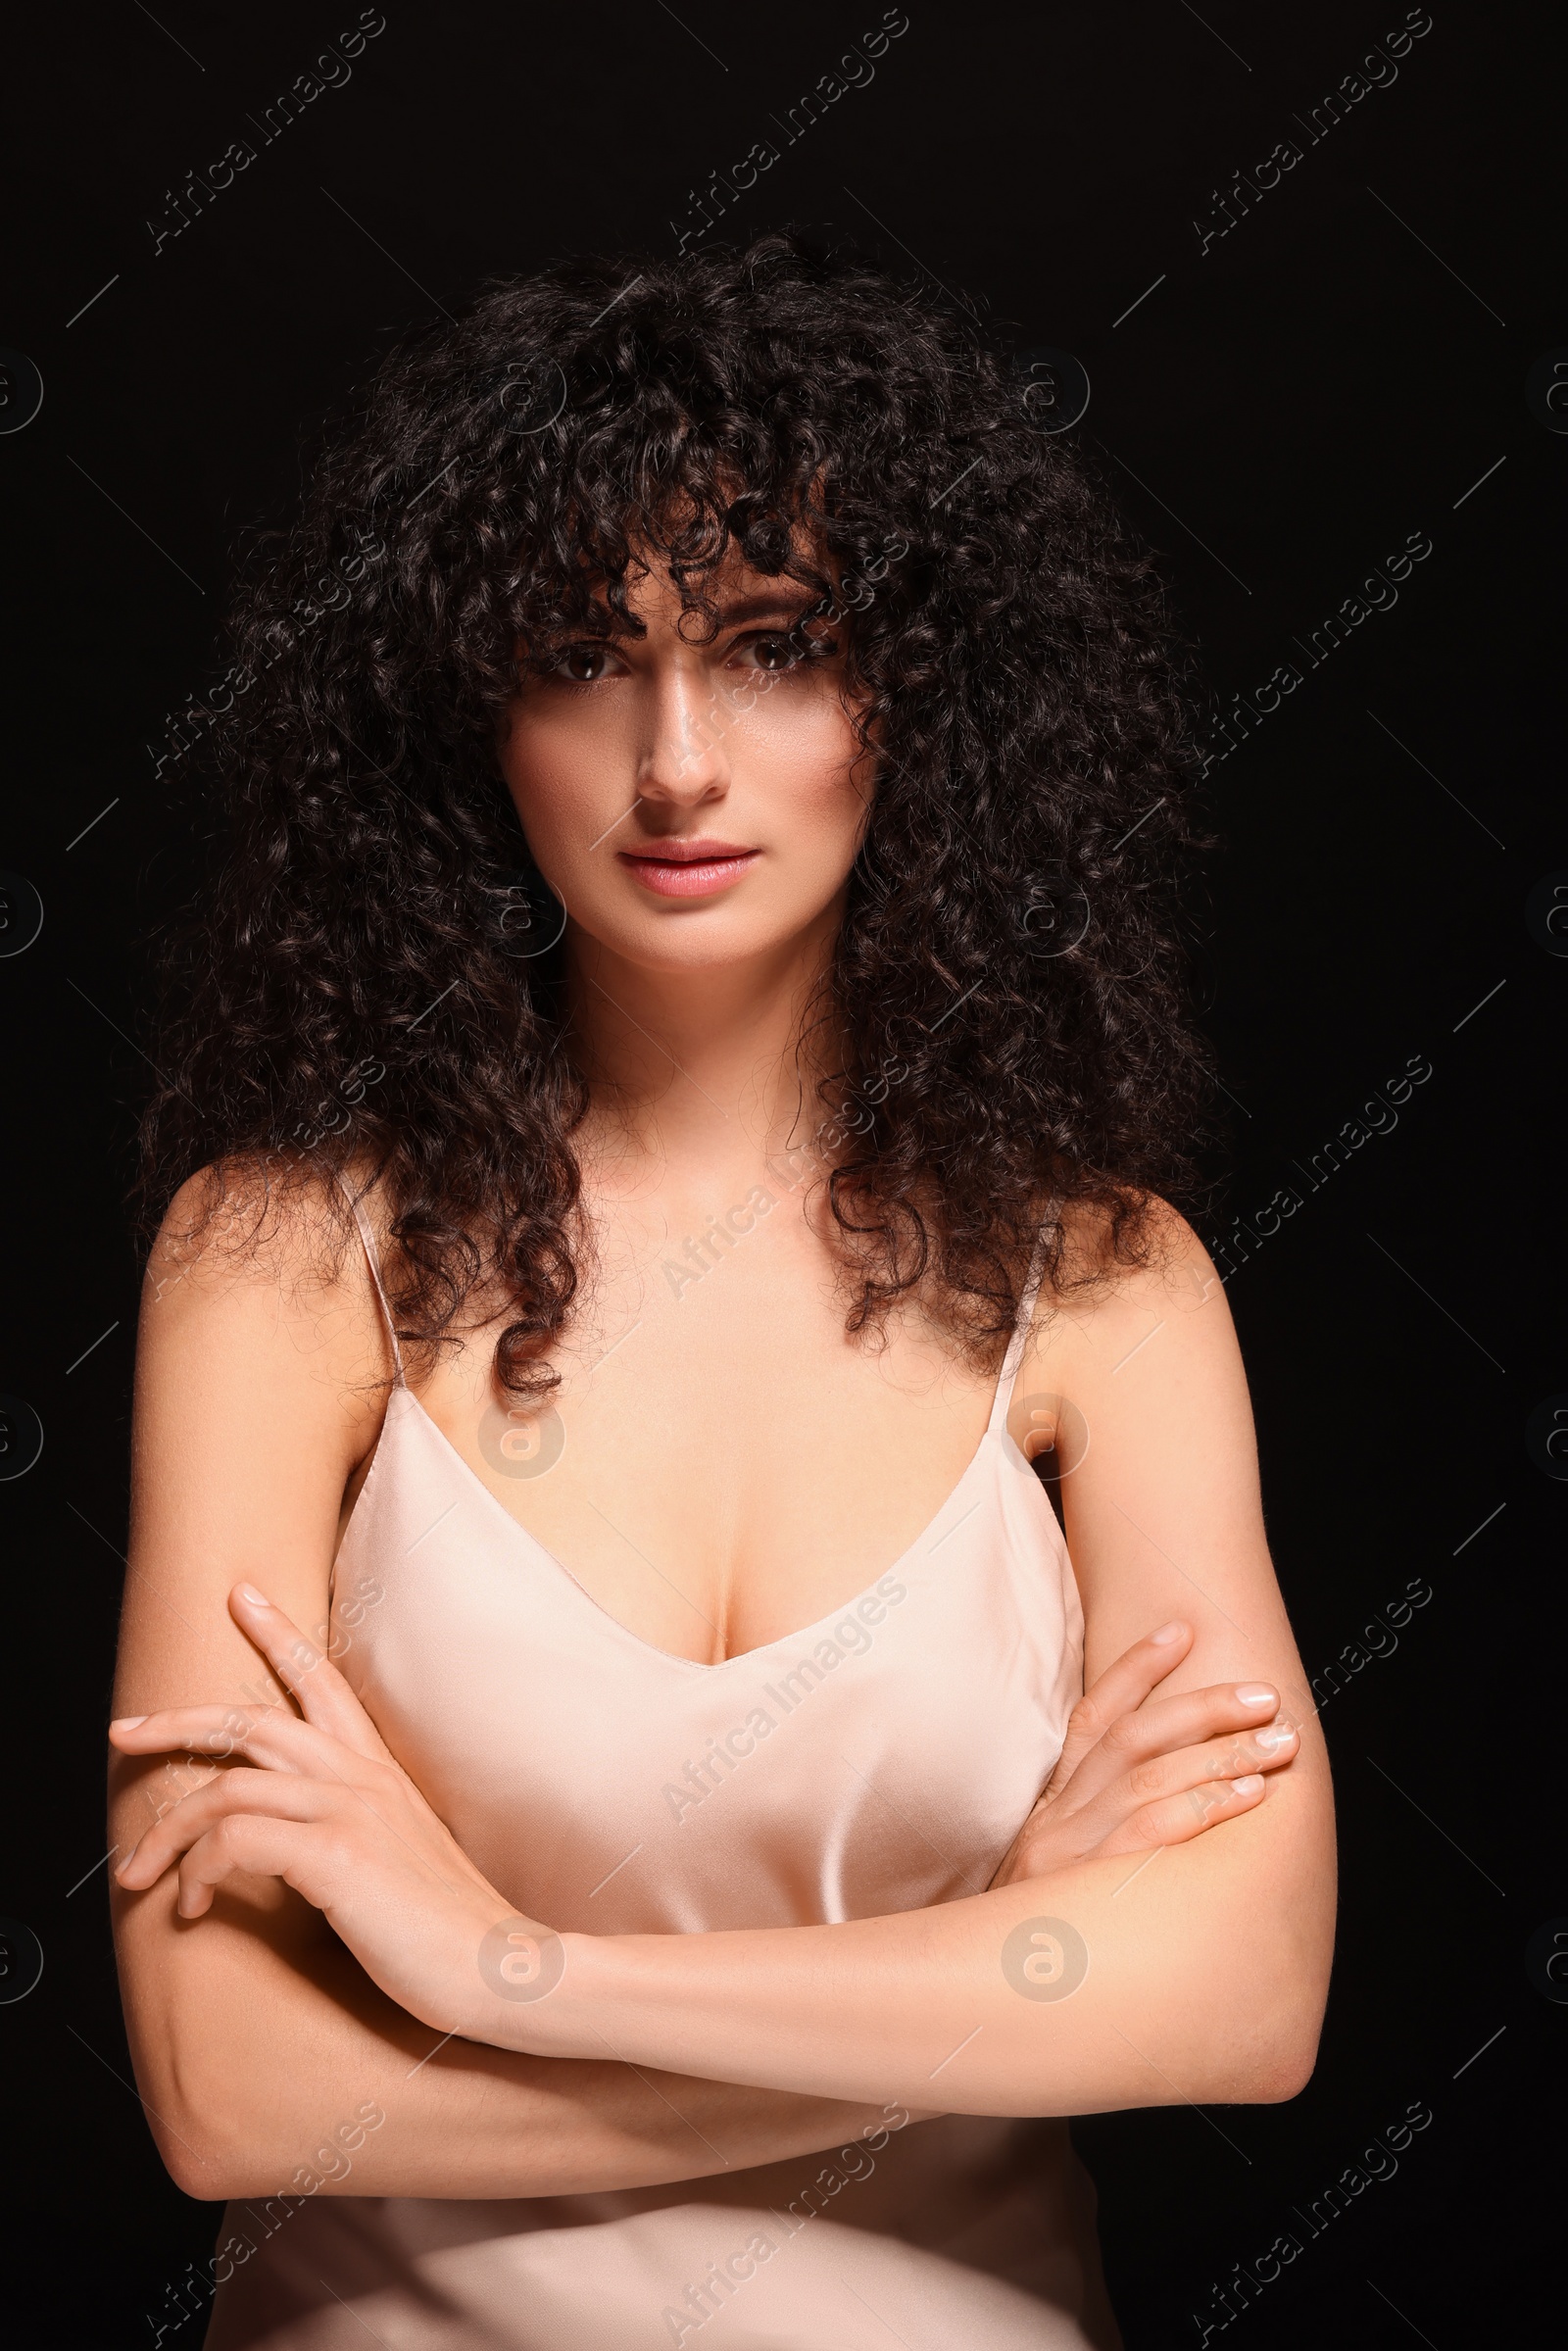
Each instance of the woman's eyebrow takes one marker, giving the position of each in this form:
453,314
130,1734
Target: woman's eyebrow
776,604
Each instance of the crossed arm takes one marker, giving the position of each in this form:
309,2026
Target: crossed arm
299,1931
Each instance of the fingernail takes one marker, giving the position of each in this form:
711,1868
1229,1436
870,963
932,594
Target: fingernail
1166,1635
1277,1735
127,1721
1248,1785
248,1592
1257,1693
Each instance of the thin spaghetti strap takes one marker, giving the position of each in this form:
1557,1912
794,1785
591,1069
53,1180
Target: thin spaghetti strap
374,1263
1008,1373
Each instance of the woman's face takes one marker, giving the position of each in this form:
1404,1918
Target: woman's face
692,803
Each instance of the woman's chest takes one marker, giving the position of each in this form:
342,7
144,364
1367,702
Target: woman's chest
878,1757
719,1460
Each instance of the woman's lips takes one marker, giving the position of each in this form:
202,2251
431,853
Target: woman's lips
680,873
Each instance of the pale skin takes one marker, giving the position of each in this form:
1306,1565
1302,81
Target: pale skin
296,1928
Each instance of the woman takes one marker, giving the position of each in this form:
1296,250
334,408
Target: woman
612,1845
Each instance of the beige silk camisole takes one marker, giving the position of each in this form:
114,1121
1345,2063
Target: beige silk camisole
879,1760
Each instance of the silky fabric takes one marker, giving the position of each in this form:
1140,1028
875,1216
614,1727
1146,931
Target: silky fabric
879,1760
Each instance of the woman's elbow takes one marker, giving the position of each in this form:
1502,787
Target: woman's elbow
209,2121
211,2178
1270,2056
1278,1958
1283,2074
192,2125
201,2133
218,2155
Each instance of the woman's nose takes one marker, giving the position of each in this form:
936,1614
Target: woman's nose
685,756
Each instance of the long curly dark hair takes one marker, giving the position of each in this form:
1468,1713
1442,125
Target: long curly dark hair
1007,994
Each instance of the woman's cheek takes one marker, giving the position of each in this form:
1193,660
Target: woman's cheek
800,747
557,785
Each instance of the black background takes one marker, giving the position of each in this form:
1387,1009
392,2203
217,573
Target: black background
1278,414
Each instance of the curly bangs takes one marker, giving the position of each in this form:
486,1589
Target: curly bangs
355,990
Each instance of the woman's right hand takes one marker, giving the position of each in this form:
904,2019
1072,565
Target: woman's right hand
1135,1773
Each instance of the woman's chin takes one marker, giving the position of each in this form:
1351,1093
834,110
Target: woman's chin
700,935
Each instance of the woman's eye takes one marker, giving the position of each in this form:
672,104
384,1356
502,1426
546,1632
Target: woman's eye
775,654
582,665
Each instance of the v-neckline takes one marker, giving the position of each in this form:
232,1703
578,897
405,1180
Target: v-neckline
989,1436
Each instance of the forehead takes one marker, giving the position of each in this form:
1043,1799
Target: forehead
730,589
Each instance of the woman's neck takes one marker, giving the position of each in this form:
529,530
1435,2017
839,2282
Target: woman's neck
704,1069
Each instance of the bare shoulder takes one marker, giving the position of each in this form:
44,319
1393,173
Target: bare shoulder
258,1281
1150,1294
1157,1262
1137,1379
262,1379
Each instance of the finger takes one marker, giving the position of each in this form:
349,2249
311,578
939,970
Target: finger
1097,1823
306,1670
1268,1749
255,1846
267,1735
1176,1820
277,1742
1120,1689
1165,1725
276,1794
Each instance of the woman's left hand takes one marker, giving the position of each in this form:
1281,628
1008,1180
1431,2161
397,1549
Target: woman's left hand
1135,1773
324,1807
